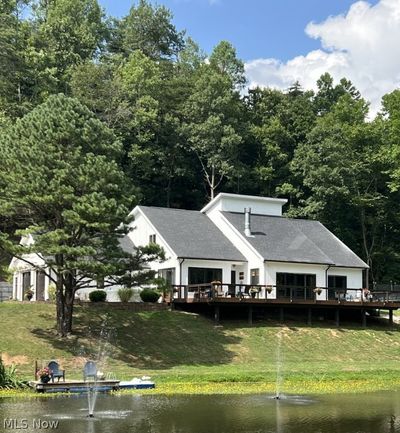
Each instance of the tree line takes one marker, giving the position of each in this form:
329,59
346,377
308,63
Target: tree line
134,111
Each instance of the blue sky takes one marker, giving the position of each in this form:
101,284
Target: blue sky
257,28
283,41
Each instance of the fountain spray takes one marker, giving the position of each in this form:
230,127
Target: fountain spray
279,362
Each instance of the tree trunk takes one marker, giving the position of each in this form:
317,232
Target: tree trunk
64,298
212,184
60,302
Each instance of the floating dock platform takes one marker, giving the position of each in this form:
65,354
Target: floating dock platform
75,386
79,386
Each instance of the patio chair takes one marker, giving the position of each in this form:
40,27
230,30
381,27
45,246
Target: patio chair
56,372
89,370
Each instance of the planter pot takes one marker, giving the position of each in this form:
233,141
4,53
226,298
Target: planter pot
45,379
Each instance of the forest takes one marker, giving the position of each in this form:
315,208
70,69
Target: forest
158,121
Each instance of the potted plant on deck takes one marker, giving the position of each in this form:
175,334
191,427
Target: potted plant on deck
44,374
253,291
29,294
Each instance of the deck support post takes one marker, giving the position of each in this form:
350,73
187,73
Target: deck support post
309,317
216,314
363,319
250,315
390,317
337,317
281,315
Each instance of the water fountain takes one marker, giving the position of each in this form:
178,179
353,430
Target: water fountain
279,367
98,367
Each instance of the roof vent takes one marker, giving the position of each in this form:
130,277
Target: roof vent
247,227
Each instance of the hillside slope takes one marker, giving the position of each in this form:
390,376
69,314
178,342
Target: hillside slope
181,348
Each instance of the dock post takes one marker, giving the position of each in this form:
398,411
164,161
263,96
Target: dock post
391,317
309,317
216,313
337,317
363,318
281,314
250,315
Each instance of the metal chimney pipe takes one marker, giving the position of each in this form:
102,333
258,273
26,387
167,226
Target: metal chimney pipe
247,227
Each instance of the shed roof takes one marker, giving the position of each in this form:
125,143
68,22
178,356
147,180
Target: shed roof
295,240
191,234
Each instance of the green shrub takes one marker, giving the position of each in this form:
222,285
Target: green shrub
162,285
52,292
98,296
125,294
148,295
8,377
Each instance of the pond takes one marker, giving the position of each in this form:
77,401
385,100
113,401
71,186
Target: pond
366,413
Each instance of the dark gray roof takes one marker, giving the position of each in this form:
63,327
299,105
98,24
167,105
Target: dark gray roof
295,240
191,234
126,244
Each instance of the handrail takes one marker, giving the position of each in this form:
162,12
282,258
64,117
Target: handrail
215,290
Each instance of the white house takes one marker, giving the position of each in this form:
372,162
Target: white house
26,277
235,239
239,239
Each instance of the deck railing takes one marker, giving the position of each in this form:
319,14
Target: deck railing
295,294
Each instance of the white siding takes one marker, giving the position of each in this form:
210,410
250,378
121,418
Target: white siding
254,260
354,276
237,203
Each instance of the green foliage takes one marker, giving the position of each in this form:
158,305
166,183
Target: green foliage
212,126
125,294
98,296
70,32
162,285
149,29
64,183
9,378
224,60
149,295
52,290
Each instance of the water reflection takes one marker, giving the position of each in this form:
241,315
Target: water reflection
367,413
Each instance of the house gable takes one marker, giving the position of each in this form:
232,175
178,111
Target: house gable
190,234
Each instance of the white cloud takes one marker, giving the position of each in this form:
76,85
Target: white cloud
363,46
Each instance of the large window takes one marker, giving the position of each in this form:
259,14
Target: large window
297,286
204,275
255,276
26,282
337,282
40,278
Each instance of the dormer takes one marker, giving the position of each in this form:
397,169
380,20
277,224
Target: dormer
225,202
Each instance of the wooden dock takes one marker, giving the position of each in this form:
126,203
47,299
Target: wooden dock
78,386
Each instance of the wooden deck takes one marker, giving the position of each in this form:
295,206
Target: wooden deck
219,295
390,305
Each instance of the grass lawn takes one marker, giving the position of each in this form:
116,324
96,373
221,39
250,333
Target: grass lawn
187,353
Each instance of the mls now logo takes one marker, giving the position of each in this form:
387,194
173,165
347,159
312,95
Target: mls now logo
23,424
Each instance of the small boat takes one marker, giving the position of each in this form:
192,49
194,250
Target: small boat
137,383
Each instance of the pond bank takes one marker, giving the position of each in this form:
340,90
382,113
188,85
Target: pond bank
304,386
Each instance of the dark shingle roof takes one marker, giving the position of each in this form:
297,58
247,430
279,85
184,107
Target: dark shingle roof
295,240
126,244
191,234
